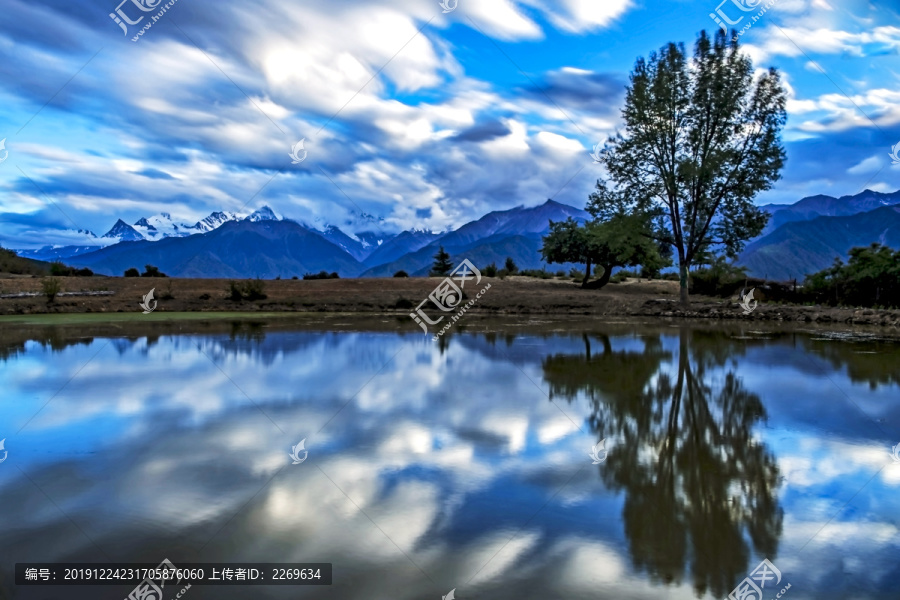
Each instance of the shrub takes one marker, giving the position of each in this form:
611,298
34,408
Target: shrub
560,273
575,273
295,277
401,274
322,275
490,270
151,271
132,272
50,287
252,289
403,303
204,296
510,266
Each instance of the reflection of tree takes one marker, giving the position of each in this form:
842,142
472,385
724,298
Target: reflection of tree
694,479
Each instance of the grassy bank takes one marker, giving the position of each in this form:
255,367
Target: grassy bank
191,299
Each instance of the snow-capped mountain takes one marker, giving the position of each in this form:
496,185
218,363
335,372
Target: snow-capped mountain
215,220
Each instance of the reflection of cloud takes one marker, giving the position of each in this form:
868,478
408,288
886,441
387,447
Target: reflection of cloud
413,450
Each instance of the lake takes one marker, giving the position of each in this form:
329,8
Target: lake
547,459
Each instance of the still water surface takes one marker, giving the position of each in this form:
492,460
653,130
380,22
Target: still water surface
463,464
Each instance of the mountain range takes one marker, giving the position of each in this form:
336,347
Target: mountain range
801,238
266,245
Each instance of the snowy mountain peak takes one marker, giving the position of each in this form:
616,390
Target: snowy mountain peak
263,214
214,220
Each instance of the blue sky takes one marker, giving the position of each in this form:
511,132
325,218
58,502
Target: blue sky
423,119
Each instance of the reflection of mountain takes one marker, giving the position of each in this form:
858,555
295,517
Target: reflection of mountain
695,480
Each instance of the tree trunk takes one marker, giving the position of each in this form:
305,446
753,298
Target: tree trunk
599,283
683,267
587,274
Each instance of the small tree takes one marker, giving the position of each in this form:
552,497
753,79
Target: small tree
511,267
50,287
442,265
151,271
132,272
401,274
490,270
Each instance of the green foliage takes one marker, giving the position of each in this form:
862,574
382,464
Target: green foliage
58,269
721,278
490,270
610,240
322,275
132,272
870,278
151,271
442,265
10,262
701,140
401,273
50,287
511,266
251,289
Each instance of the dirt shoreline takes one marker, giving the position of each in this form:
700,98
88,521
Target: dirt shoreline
399,296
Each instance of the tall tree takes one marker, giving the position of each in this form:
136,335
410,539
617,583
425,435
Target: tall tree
442,264
702,138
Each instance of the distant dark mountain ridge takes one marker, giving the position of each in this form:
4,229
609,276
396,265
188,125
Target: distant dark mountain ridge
821,205
799,248
515,233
